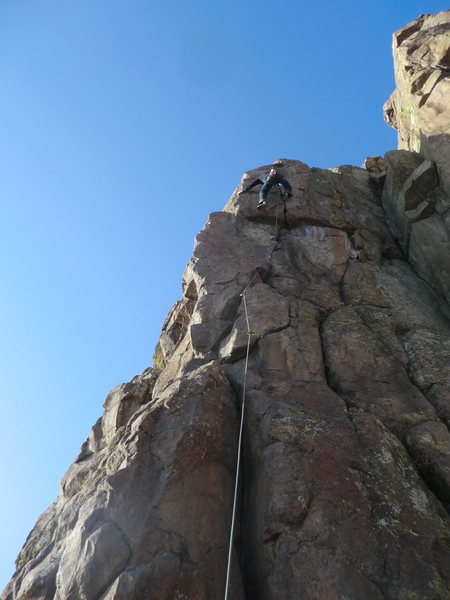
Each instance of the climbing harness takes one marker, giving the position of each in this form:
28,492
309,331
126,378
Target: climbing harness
271,249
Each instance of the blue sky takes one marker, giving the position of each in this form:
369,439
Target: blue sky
123,125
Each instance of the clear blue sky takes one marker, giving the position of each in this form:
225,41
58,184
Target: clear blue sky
124,123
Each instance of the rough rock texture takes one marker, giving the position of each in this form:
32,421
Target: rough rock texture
420,108
417,191
346,472
345,481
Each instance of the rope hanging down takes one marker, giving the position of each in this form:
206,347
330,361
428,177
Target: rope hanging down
282,197
269,254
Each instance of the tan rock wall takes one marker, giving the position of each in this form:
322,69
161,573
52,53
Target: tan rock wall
345,482
345,474
420,107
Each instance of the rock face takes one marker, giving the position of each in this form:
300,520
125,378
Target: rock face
345,475
417,191
420,107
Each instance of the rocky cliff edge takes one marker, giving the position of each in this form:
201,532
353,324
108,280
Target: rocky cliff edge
345,482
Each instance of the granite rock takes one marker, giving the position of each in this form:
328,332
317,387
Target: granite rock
342,301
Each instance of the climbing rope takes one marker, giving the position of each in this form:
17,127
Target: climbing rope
269,254
238,460
278,204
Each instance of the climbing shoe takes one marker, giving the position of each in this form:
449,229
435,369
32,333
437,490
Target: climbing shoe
261,203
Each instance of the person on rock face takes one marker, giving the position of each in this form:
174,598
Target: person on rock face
268,180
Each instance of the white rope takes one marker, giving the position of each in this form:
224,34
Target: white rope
238,461
241,427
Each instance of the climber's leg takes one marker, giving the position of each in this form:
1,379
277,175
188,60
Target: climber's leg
263,194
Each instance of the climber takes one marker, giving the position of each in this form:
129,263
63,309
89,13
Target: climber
269,179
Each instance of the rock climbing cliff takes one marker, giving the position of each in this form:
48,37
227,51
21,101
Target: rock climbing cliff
345,475
418,207
419,108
